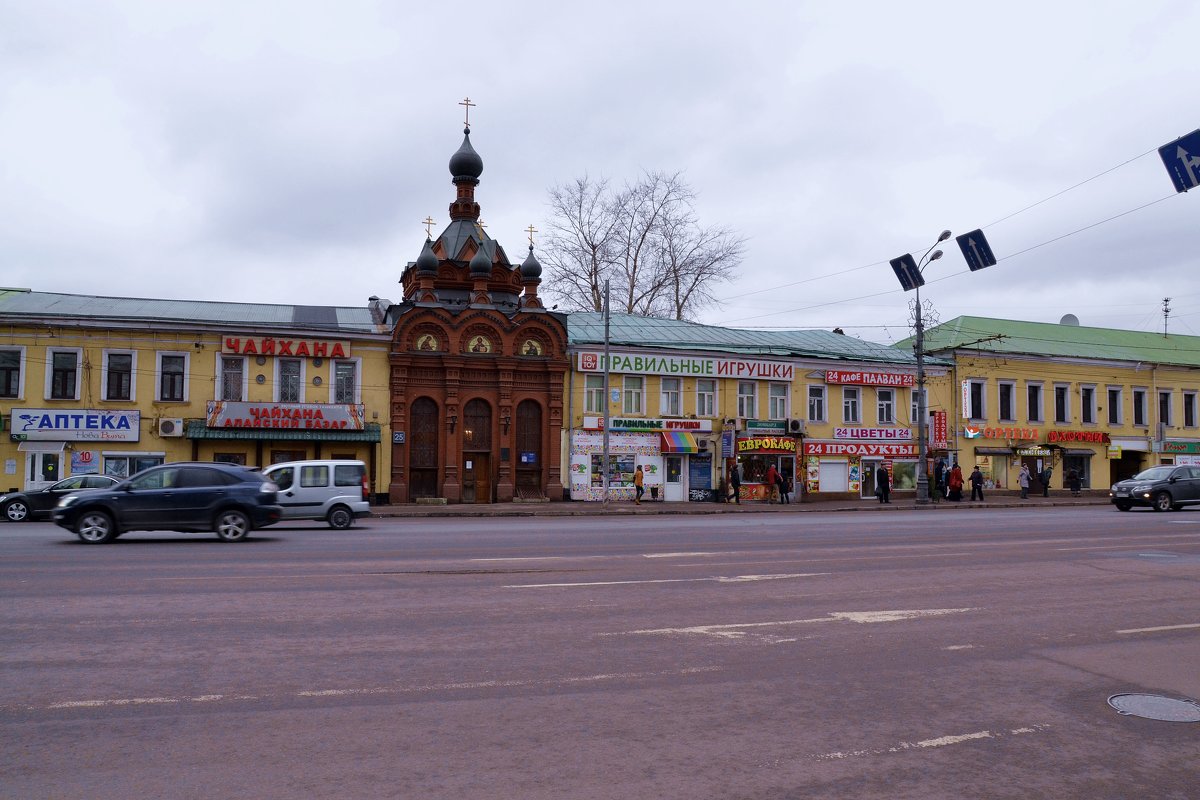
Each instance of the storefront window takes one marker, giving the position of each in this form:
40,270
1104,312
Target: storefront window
620,470
904,475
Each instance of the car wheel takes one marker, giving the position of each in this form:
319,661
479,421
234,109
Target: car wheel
340,518
95,527
1124,506
16,511
232,526
1162,501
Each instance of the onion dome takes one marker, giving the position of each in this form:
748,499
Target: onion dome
466,163
481,265
530,268
427,262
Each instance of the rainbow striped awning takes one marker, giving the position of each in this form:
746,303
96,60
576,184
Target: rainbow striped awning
679,442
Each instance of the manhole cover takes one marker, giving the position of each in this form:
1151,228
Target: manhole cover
1155,706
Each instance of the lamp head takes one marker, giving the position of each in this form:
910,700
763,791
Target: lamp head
936,255
945,235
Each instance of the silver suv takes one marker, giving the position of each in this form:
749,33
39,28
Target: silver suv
333,490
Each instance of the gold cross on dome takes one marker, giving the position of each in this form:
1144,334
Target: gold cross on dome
479,226
428,222
531,231
467,104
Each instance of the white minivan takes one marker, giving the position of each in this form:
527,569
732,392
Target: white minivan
330,489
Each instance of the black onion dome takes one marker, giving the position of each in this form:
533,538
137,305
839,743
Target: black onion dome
427,261
481,265
530,268
466,163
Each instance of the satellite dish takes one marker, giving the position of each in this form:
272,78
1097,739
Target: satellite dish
1069,319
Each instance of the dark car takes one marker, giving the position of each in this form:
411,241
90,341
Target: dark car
38,503
228,499
1164,488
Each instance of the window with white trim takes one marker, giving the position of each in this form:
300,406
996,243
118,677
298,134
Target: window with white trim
345,381
1033,402
233,378
777,401
593,394
977,393
706,397
671,397
1139,408
11,363
117,376
1006,392
1115,408
885,406
1062,403
171,377
1189,409
747,399
1087,405
816,404
635,387
1164,408
289,380
850,413
62,377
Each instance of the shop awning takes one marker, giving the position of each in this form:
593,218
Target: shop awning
198,430
40,447
679,442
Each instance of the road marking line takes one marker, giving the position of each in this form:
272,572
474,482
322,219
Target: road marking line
1161,628
960,647
680,555
378,690
713,579
941,741
740,629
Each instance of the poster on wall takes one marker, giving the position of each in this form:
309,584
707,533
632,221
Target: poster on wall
85,462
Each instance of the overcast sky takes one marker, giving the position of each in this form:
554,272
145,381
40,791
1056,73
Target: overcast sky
287,152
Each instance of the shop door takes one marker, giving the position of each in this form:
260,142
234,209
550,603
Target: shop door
868,478
477,478
673,488
41,470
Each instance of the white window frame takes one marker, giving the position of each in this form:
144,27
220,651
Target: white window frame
747,402
593,394
1190,409
1119,418
78,352
885,406
1037,415
358,372
219,394
158,373
670,397
279,380
1009,388
104,360
1170,415
1087,408
706,401
851,405
778,404
979,385
20,351
1065,389
633,401
1140,407
817,394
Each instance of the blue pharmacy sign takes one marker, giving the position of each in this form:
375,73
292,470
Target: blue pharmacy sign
1182,160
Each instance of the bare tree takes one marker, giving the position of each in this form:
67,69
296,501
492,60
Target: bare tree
644,239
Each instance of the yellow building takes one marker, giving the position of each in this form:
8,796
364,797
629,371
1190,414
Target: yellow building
114,385
687,402
1099,403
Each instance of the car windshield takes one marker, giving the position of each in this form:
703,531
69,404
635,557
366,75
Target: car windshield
1154,474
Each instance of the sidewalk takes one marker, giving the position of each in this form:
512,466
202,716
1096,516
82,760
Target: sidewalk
651,508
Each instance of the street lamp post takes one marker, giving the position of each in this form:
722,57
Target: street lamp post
930,256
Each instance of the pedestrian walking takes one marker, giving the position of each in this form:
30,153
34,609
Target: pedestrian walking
1045,476
954,483
939,479
638,488
735,484
785,488
976,484
1023,481
883,485
1074,482
772,482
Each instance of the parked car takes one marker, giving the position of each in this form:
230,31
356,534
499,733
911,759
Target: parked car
333,490
38,503
1164,488
227,499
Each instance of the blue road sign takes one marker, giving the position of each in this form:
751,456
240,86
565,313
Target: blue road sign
1182,160
906,270
976,250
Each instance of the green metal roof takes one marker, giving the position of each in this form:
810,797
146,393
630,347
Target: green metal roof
631,330
1055,340
198,430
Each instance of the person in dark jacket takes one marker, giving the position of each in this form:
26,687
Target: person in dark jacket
883,485
735,484
1046,481
954,484
785,487
976,484
1074,482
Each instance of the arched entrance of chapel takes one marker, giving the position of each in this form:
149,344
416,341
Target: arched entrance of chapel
477,452
529,449
423,449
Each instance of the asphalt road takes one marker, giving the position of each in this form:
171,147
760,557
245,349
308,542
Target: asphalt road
919,655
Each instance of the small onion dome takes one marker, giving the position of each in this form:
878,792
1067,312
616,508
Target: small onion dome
427,262
466,163
481,265
530,268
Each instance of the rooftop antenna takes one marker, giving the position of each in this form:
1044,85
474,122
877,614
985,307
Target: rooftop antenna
1166,314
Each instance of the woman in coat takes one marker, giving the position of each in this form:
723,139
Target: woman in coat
955,483
1023,481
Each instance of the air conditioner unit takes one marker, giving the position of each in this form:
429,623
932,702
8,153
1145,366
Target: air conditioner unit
795,426
170,427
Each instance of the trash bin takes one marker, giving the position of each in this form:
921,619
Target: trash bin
653,492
